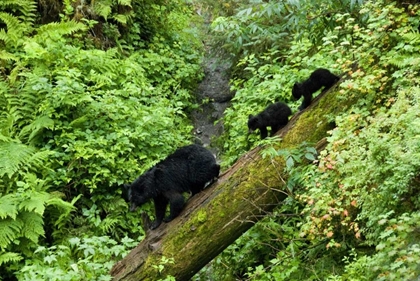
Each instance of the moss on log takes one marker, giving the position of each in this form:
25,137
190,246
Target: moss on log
217,216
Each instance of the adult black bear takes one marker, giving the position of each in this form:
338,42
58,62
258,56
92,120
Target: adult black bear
276,116
319,78
188,169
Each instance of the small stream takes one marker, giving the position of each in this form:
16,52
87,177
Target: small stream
214,95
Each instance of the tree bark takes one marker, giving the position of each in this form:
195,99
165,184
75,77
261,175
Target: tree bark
217,216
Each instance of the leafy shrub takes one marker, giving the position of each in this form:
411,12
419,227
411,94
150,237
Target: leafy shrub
89,258
260,27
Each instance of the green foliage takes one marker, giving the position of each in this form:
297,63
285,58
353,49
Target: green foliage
161,267
56,31
17,156
76,122
130,25
89,258
294,160
354,215
21,216
18,16
397,253
259,26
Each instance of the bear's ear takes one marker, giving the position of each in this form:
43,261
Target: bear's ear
250,116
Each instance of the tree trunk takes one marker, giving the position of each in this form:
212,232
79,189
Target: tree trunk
217,216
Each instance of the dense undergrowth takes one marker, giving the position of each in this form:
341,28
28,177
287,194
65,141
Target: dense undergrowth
94,93
89,98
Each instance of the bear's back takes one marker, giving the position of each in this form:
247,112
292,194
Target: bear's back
187,169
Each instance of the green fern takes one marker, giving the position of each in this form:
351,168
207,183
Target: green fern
19,16
21,107
4,55
32,226
26,7
9,231
103,8
8,206
16,156
34,202
15,29
102,61
123,18
108,224
403,57
57,30
66,208
13,156
9,257
4,37
31,131
405,61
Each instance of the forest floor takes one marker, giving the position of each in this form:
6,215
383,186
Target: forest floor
214,95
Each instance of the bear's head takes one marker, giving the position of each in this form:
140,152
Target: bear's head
141,190
253,123
297,91
137,197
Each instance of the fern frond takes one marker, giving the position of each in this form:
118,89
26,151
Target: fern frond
26,7
33,225
4,37
9,257
37,160
108,224
6,56
4,138
36,127
102,61
56,201
13,156
15,29
9,231
67,209
16,156
412,37
103,8
123,18
34,202
120,18
22,106
8,206
58,29
404,61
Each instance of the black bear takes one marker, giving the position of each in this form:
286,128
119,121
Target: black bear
188,169
319,78
276,116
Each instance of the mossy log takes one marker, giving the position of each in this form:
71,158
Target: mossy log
215,217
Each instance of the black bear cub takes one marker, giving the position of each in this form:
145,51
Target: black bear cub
319,78
188,169
276,116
